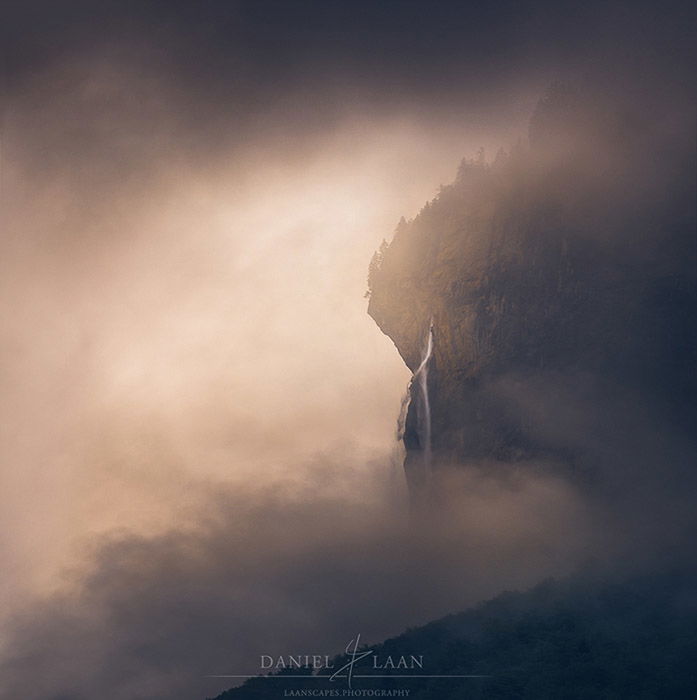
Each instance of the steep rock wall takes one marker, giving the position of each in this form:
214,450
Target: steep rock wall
551,274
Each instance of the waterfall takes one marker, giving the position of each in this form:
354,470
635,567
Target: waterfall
417,438
421,376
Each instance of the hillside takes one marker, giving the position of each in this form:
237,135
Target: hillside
563,639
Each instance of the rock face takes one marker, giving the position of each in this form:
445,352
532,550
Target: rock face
561,283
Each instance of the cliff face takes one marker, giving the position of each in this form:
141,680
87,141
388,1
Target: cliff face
560,281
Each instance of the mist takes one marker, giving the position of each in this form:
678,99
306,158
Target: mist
188,359
199,454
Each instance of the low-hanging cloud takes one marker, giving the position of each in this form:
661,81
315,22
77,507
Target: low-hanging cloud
283,568
186,331
201,415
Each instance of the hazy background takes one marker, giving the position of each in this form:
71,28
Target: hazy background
198,455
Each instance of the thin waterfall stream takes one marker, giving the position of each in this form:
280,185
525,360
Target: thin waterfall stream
424,415
422,405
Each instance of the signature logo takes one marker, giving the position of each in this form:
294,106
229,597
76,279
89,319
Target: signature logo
354,657
371,665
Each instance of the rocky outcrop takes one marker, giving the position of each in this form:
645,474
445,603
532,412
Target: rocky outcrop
560,279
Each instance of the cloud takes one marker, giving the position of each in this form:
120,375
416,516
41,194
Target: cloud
279,569
199,411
